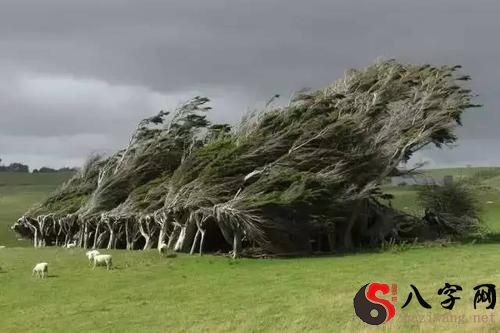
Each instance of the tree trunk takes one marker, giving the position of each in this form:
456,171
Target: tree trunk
236,243
85,234
96,235
66,239
33,230
173,236
35,239
112,234
111,239
41,235
81,234
59,232
118,236
201,225
180,241
128,235
146,232
149,243
163,233
348,243
202,241
101,239
193,247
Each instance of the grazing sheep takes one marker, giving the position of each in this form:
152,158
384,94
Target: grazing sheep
41,269
71,245
103,259
2,246
162,249
91,254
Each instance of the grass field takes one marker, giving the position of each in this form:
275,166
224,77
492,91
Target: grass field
18,191
405,198
146,293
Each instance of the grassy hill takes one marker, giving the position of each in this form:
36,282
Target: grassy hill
487,180
483,173
18,191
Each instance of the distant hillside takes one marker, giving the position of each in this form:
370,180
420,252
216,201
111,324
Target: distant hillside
479,172
22,178
488,191
18,191
488,176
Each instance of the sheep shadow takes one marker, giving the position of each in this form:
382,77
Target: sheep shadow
48,276
103,268
51,276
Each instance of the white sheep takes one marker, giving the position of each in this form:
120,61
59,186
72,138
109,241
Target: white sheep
71,245
90,255
103,259
162,249
41,269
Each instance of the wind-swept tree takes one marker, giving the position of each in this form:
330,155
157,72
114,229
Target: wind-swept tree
294,178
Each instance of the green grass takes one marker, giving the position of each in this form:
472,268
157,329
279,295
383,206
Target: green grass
18,192
481,172
405,198
36,179
146,293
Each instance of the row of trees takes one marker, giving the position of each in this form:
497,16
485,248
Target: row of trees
14,167
51,170
291,179
20,167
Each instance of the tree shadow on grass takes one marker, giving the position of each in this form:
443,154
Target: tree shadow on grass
491,238
321,255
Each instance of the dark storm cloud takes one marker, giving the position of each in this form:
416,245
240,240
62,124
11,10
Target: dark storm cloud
89,69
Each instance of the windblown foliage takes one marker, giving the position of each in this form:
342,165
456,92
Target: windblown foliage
453,208
292,179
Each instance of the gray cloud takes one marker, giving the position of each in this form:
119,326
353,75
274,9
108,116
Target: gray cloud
84,72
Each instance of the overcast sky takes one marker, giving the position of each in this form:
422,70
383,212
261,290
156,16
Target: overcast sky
76,76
